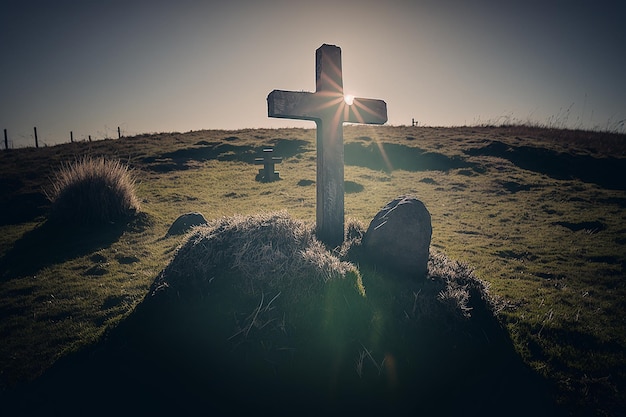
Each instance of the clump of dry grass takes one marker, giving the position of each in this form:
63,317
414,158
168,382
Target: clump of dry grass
270,251
92,191
355,230
461,286
450,287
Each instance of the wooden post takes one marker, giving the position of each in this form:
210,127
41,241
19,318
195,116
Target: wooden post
71,136
119,133
329,110
89,138
6,140
36,140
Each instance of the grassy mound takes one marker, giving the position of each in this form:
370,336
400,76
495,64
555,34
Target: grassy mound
270,252
92,191
256,308
253,312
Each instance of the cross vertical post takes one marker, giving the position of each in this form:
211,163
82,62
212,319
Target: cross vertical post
328,109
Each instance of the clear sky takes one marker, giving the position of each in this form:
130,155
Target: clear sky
156,66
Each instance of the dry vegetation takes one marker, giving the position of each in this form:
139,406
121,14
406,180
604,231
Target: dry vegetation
272,251
538,213
90,191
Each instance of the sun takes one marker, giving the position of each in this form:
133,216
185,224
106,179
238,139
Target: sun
348,98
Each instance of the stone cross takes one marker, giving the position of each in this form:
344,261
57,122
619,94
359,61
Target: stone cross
267,173
329,109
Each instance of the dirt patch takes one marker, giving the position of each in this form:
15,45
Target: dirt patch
181,159
390,156
352,187
607,172
590,227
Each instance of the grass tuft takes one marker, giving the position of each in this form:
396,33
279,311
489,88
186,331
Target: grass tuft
92,191
271,251
451,288
461,285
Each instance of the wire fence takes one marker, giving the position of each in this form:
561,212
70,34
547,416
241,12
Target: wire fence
34,140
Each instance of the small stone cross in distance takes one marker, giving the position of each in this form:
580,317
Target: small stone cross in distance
267,173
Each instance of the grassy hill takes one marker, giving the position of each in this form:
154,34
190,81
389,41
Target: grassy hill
540,214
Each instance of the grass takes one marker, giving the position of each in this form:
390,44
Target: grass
90,191
271,251
548,237
227,324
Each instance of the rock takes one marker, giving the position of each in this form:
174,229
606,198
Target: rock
398,238
185,222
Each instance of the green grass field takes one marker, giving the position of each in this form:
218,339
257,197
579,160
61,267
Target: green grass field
540,214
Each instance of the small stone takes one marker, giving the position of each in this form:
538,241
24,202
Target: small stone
185,222
398,238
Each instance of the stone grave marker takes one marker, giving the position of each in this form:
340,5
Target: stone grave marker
267,173
329,109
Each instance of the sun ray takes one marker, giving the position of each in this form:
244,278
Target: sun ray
381,148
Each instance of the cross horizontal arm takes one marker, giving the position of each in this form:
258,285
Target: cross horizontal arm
366,110
292,105
303,105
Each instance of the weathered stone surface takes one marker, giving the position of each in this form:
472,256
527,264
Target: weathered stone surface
398,238
268,174
185,222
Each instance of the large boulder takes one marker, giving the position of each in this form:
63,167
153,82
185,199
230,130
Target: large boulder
185,222
398,238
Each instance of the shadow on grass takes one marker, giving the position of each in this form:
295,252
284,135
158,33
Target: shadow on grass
346,357
220,151
19,207
606,172
253,313
390,156
352,187
590,227
50,244
22,208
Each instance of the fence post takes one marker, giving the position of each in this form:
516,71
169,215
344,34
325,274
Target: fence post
71,136
89,138
6,140
119,133
36,140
